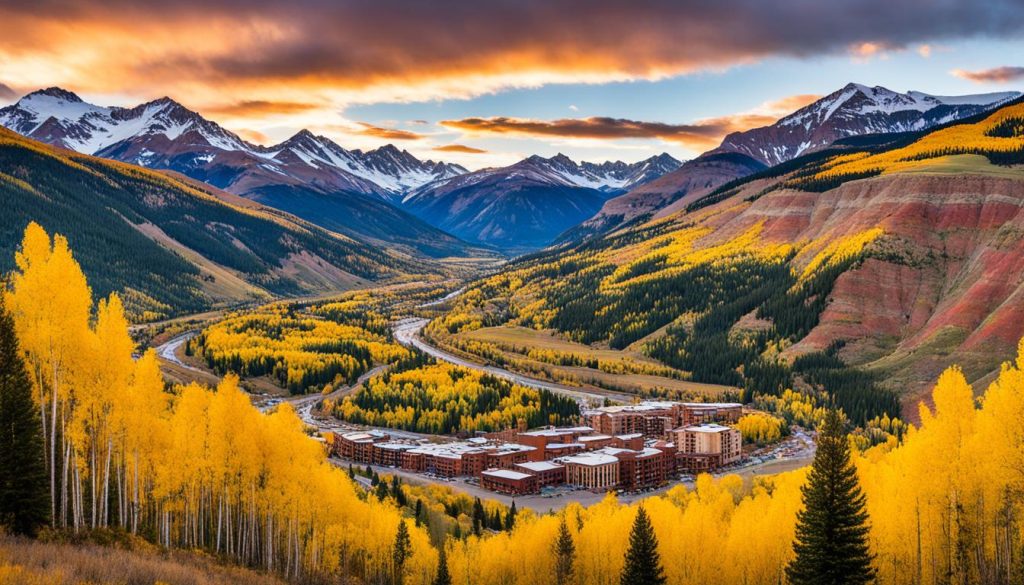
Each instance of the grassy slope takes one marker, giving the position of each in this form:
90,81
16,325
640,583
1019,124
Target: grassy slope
28,562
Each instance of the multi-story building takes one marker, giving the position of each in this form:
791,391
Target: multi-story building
358,446
389,454
696,413
593,471
650,419
656,419
542,439
546,472
642,469
707,446
507,481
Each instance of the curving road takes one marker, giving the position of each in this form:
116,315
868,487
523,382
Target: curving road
406,332
168,350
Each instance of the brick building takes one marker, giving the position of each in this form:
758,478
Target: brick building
358,446
507,481
546,472
656,419
706,447
644,468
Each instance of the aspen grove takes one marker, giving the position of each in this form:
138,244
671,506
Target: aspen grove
197,468
185,467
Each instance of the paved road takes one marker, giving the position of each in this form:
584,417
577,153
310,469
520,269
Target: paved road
407,332
168,350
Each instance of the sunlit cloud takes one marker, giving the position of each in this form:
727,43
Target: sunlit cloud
994,75
358,52
389,133
924,51
702,134
459,148
260,108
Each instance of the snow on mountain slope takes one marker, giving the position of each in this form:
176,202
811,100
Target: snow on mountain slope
525,206
165,134
855,110
607,177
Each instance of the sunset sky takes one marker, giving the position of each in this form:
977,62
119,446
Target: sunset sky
486,83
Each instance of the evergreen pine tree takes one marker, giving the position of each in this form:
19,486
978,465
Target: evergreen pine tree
510,518
401,550
643,563
419,512
831,534
24,495
382,491
442,577
351,472
565,555
479,516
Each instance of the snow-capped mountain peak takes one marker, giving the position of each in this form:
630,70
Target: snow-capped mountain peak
165,134
853,110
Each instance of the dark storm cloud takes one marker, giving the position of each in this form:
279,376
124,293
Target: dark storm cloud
360,43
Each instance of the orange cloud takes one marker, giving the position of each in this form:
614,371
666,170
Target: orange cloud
702,134
995,75
459,148
254,136
260,108
388,133
400,50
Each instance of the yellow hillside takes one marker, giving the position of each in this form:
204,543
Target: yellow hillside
1002,132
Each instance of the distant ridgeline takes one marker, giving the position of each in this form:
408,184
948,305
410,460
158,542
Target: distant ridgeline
167,245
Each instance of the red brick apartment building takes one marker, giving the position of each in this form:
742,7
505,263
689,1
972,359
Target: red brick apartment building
510,482
643,469
547,473
707,446
656,419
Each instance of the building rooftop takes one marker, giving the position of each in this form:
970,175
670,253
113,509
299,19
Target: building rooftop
656,405
362,436
506,474
706,428
645,406
565,445
558,432
592,438
539,465
395,446
590,459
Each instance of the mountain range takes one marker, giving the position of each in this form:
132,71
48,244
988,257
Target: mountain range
526,205
862,269
349,192
171,245
358,193
855,110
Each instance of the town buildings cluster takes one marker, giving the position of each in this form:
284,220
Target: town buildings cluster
629,447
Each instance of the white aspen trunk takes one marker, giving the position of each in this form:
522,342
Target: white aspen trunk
53,446
105,500
53,456
64,486
220,515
